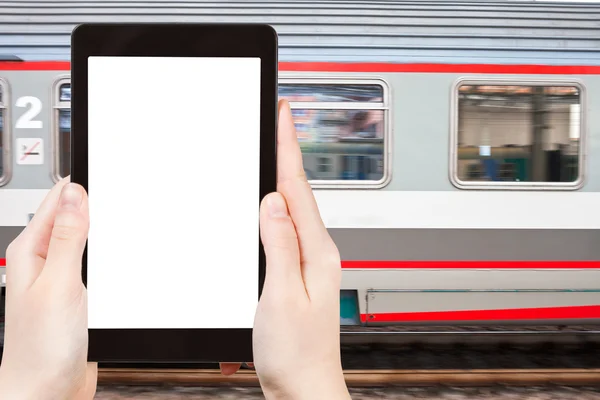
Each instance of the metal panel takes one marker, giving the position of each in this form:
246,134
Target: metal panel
392,31
398,301
417,279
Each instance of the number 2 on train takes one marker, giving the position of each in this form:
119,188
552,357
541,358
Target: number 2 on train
26,121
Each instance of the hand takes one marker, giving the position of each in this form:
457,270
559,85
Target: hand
296,337
46,338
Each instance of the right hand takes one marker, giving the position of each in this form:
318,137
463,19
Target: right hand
296,337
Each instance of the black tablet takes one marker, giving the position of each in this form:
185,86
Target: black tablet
174,140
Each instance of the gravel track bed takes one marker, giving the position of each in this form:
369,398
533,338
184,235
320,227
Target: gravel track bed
400,393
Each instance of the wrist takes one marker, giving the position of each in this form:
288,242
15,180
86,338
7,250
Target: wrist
11,388
309,387
19,387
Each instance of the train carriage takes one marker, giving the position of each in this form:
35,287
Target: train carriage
453,147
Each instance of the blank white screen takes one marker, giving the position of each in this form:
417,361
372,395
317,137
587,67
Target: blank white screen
173,172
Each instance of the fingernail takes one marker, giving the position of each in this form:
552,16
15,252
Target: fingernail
277,207
71,196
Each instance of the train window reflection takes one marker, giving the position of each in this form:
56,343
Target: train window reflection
62,129
65,92
342,130
5,143
518,135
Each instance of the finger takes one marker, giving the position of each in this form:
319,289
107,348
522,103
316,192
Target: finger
280,242
229,368
27,253
69,234
40,226
91,380
292,183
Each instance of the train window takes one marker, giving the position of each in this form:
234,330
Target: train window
342,127
518,135
62,129
4,135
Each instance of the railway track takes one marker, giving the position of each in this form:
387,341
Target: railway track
418,357
359,378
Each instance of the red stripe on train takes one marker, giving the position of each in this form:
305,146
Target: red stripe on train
35,66
441,68
459,264
571,312
471,264
365,67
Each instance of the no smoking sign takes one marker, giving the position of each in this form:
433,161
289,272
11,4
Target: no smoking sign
30,151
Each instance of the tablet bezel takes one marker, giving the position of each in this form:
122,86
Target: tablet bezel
174,40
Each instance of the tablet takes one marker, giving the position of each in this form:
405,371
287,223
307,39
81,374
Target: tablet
174,140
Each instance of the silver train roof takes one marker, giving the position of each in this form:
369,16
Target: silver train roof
511,32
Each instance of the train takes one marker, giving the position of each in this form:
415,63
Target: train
453,147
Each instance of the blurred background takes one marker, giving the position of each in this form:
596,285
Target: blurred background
453,148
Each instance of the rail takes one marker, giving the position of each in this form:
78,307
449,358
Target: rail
359,378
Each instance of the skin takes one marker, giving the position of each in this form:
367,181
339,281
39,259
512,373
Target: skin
45,342
296,328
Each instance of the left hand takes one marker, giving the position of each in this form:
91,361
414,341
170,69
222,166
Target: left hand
46,337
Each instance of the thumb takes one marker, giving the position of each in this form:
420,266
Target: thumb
280,242
69,234
91,380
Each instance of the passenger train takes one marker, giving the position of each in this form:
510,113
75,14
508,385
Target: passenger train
453,147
